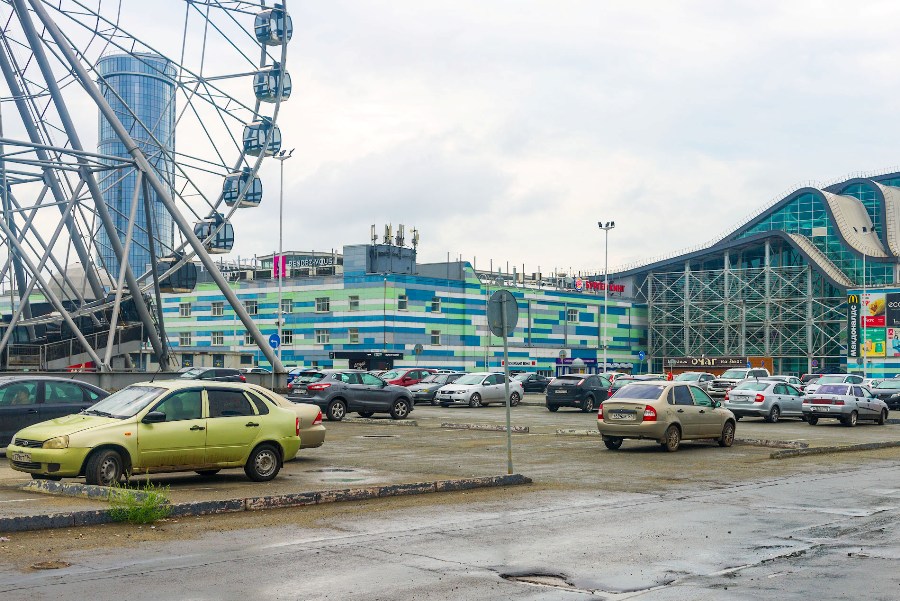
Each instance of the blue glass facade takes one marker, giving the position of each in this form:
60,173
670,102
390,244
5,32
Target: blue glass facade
140,89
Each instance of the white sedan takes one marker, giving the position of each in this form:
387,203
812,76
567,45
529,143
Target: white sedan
479,389
847,403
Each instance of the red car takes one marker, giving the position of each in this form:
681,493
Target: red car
406,376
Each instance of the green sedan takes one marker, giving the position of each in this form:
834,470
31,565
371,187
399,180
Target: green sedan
163,426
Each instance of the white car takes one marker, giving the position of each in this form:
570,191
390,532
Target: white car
479,389
833,379
847,403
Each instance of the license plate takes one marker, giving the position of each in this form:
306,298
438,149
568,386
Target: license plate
623,415
825,409
23,457
560,391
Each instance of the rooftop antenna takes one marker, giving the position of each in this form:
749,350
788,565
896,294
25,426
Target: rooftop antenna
373,235
387,234
401,237
415,238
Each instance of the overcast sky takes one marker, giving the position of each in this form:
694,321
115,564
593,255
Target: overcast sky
505,130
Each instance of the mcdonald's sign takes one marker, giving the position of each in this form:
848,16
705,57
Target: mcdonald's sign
853,325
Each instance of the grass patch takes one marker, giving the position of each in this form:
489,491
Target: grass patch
141,505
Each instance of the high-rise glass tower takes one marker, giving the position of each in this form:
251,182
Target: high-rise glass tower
140,88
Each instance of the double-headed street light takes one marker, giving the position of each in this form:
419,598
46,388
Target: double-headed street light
281,156
605,227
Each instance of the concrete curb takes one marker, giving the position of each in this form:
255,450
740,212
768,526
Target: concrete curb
489,428
577,433
775,444
382,422
868,446
101,516
73,489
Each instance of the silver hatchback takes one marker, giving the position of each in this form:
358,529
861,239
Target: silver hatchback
768,399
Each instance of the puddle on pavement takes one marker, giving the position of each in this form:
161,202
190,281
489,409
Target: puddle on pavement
343,475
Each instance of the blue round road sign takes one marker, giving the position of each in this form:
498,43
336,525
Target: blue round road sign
274,341
642,355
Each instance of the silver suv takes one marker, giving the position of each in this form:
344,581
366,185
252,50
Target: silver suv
728,380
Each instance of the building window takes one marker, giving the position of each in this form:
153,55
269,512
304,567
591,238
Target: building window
572,315
287,337
248,338
354,303
435,305
184,339
322,337
217,338
252,307
354,335
323,304
435,337
402,302
287,305
218,309
184,309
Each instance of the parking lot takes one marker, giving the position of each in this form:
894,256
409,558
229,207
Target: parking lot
384,451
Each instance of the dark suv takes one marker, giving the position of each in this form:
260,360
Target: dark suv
337,392
582,391
216,374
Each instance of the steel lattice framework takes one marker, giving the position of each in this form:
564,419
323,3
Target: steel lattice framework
789,313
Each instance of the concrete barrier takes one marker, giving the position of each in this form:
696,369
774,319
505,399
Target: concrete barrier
487,427
196,508
867,446
577,433
74,489
383,422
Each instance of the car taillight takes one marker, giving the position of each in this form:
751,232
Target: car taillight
580,382
242,377
610,393
317,387
836,402
298,425
600,412
726,396
318,420
290,386
649,414
759,398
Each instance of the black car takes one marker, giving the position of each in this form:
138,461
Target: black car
582,391
424,391
532,382
889,392
27,400
621,381
216,374
337,392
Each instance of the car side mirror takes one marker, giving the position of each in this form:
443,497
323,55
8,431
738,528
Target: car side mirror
716,404
154,417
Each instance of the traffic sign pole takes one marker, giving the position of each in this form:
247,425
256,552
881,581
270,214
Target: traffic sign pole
509,465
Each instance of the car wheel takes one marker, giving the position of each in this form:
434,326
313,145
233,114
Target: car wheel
434,403
672,439
208,473
400,409
366,413
104,468
812,420
727,438
882,419
263,464
514,399
552,408
337,411
588,405
475,400
851,421
774,415
612,442
45,477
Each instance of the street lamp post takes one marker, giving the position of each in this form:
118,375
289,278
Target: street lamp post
605,227
281,157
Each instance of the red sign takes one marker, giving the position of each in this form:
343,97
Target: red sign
279,265
601,285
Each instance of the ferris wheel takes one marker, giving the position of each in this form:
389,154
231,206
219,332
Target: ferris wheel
130,134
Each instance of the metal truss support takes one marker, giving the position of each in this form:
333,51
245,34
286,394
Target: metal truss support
162,192
88,177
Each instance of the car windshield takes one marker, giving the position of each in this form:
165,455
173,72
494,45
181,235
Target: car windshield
688,377
734,374
619,383
640,391
192,373
521,377
832,389
125,403
470,379
434,378
305,377
757,386
889,384
390,375
831,379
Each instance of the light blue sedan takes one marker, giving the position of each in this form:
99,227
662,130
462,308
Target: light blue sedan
768,399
